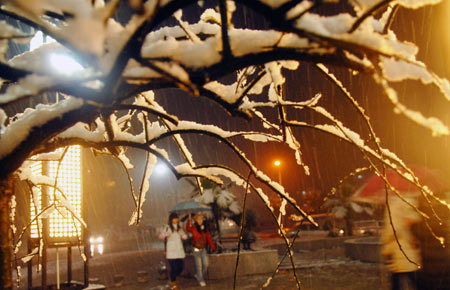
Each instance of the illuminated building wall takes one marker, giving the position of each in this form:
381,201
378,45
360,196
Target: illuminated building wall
36,204
62,224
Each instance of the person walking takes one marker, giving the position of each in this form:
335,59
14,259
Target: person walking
435,274
173,234
200,239
400,250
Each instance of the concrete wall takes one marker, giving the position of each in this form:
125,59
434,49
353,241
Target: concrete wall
311,245
250,262
364,249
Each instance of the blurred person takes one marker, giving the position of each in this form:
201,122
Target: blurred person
435,274
200,239
173,234
402,258
248,235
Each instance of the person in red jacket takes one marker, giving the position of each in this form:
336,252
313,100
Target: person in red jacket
200,238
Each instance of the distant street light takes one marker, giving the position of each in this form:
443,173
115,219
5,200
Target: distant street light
96,243
160,168
277,163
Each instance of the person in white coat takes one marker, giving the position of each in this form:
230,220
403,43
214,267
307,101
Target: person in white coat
173,235
404,260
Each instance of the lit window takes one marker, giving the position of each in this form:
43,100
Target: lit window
61,222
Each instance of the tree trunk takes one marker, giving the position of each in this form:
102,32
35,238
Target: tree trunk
6,192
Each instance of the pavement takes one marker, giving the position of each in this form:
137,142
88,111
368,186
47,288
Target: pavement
135,265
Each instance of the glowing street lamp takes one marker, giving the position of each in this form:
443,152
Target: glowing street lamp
64,64
161,169
277,163
61,63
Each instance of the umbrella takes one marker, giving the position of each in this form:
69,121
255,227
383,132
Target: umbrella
373,190
189,207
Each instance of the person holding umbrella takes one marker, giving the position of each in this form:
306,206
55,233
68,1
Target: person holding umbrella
200,238
173,234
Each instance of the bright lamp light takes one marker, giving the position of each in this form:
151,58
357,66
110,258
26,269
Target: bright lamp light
64,64
160,169
61,63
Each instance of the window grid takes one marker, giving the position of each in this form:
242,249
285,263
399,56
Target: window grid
62,224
